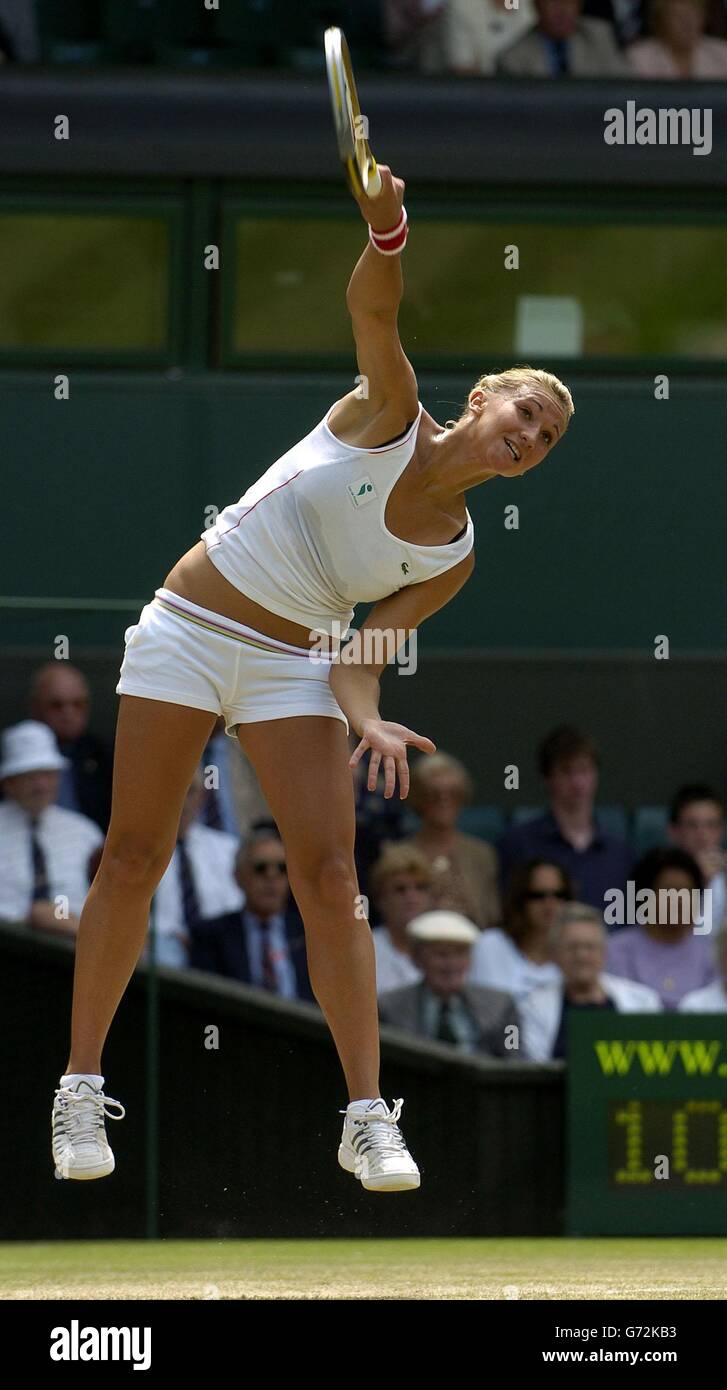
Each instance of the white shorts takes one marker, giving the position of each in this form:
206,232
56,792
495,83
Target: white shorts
187,655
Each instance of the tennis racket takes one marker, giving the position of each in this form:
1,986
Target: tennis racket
351,127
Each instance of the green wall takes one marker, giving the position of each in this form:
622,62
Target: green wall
621,532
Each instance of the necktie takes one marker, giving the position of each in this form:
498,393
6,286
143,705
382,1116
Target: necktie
190,901
562,61
40,867
211,814
445,1031
270,979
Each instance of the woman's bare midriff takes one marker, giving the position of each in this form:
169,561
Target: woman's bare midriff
194,577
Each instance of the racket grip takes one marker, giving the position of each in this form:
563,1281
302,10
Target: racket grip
373,187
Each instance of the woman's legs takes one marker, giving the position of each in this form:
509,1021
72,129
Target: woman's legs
302,767
158,747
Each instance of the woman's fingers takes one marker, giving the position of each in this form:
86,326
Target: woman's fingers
420,741
358,753
395,760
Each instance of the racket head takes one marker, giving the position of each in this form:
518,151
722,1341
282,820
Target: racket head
358,162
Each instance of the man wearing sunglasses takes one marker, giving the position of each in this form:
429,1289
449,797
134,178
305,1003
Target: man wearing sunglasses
272,941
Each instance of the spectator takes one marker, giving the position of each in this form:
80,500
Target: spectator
402,883
19,40
198,890
478,31
696,824
569,832
273,948
563,44
578,941
44,848
444,1006
519,958
711,999
665,953
678,46
464,866
59,697
413,32
627,17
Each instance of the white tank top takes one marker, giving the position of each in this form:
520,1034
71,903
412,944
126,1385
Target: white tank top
308,539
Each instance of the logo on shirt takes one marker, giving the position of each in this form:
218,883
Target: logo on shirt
362,491
404,567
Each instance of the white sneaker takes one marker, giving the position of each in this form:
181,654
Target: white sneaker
79,1144
372,1146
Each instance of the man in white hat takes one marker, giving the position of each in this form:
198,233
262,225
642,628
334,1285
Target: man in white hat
44,848
443,1006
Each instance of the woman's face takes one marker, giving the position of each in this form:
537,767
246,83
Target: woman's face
545,897
404,895
442,799
681,23
514,431
675,911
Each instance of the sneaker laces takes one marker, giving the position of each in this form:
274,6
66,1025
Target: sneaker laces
384,1129
84,1112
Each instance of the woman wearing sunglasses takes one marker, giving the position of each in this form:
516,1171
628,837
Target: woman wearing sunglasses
518,958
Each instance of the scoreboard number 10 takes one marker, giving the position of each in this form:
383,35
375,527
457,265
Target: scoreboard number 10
690,1134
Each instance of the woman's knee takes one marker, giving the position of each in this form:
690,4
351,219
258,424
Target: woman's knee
326,881
132,859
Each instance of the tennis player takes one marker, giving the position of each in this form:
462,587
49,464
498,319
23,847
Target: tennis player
368,507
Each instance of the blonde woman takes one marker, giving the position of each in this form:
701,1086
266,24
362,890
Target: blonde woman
369,507
402,885
464,866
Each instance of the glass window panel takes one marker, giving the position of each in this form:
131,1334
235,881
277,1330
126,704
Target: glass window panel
641,290
80,281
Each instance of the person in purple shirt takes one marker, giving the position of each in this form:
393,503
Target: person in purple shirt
666,952
569,833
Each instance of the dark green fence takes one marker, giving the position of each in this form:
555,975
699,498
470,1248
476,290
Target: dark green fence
241,1140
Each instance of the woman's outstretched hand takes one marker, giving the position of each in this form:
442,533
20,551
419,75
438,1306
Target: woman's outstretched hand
388,741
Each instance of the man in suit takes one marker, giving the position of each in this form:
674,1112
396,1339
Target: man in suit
60,697
443,1006
198,897
264,943
564,44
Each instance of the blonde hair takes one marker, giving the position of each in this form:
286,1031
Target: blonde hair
399,859
497,383
426,768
